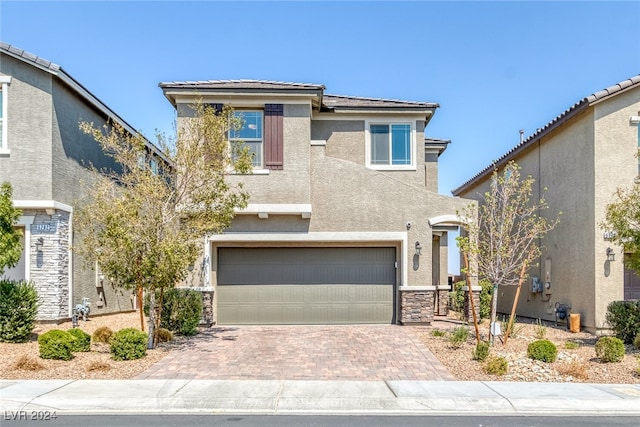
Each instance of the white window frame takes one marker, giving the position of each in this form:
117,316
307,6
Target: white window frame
4,138
260,166
367,144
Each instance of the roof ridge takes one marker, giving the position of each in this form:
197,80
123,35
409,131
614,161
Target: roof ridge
272,82
368,98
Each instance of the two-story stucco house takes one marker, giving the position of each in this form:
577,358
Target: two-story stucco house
581,157
45,157
344,223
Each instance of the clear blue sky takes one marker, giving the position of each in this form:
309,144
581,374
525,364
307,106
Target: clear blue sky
494,67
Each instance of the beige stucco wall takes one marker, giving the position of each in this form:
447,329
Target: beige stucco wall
615,166
291,184
29,123
581,164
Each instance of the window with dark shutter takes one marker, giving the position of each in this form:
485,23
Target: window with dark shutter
273,144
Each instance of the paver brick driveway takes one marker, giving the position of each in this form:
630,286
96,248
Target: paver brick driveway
361,352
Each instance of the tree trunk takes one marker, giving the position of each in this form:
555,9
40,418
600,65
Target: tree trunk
140,307
494,310
152,316
515,303
471,302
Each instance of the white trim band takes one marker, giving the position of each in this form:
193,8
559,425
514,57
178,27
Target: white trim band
42,204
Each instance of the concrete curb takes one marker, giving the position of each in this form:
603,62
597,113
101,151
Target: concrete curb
318,397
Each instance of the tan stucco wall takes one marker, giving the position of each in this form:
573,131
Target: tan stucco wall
290,185
615,166
581,164
29,124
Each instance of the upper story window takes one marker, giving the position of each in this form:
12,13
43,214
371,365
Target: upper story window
4,90
251,134
390,146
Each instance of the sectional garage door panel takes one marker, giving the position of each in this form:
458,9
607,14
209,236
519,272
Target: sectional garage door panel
305,285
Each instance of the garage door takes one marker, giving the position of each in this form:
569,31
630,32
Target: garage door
305,285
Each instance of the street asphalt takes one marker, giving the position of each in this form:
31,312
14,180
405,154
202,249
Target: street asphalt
181,396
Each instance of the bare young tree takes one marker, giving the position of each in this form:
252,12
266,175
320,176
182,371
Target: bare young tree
145,222
503,237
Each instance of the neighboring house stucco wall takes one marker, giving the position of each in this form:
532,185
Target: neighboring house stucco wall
581,163
47,166
29,124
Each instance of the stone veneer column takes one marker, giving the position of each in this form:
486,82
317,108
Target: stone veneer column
206,318
417,304
49,267
468,314
442,295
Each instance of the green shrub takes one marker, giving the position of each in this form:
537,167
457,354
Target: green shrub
83,340
56,344
636,341
571,345
437,333
542,350
459,336
164,335
181,311
624,319
496,365
457,298
102,335
18,310
482,351
128,344
610,349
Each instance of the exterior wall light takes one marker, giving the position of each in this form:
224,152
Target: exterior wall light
611,256
418,249
39,244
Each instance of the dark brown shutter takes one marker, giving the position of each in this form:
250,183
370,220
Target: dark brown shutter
273,145
217,108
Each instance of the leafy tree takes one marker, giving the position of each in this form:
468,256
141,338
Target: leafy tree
503,232
622,217
10,244
145,223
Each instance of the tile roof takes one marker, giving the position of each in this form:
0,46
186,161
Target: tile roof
35,60
576,108
329,102
354,102
240,84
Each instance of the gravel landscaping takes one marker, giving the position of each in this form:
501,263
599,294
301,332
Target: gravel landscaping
21,361
572,364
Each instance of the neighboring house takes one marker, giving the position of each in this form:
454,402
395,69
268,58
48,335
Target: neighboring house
581,157
44,155
344,223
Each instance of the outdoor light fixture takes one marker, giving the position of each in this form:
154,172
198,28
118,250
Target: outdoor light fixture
611,256
39,244
418,249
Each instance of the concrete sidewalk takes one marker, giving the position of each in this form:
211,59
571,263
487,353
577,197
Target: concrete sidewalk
318,397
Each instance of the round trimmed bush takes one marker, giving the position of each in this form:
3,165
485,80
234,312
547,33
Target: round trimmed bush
102,335
83,340
610,349
56,344
128,344
542,350
18,310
